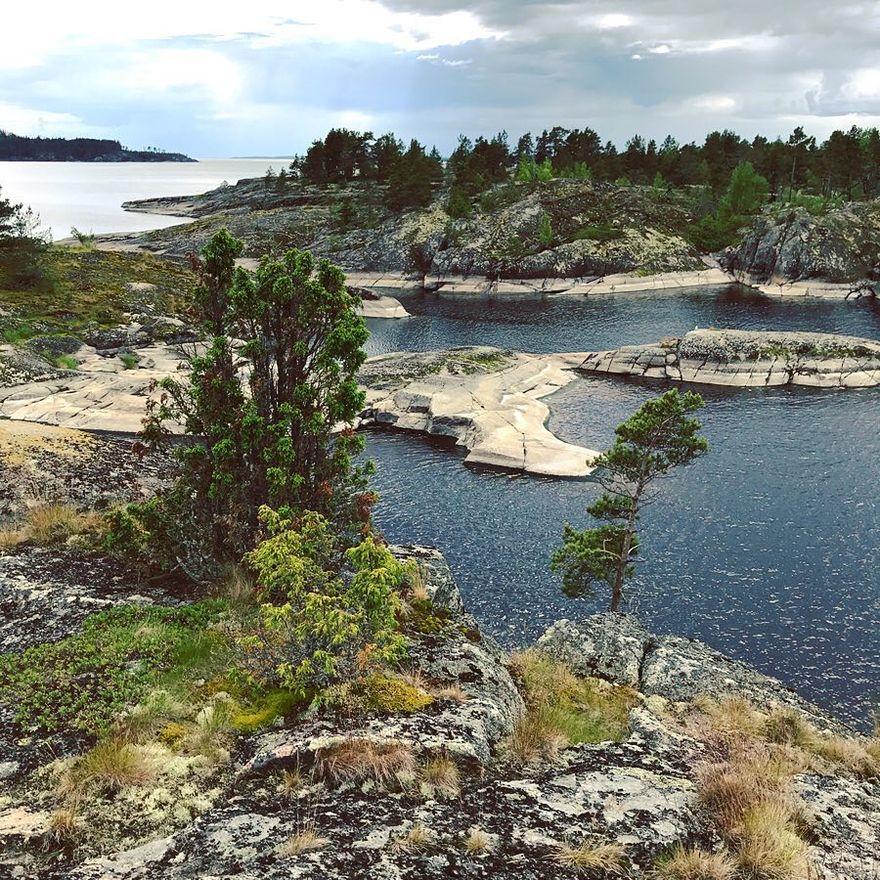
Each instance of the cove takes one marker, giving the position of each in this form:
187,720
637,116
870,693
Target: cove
766,548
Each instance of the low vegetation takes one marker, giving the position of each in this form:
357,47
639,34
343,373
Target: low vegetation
563,709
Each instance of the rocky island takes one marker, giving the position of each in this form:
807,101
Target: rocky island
15,148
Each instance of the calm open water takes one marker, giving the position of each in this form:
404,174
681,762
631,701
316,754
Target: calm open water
89,195
766,548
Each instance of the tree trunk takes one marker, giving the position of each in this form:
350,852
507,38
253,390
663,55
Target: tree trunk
620,572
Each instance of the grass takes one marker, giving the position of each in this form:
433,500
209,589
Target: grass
440,778
90,289
129,360
600,858
477,841
769,848
303,841
113,764
419,837
356,761
601,232
49,523
534,740
695,864
563,709
65,362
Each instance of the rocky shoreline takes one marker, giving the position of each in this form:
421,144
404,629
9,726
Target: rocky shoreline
741,359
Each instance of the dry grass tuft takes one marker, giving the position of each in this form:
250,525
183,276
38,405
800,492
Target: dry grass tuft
292,782
355,761
695,864
450,692
768,847
440,778
476,841
110,766
54,523
605,858
419,837
858,757
238,585
732,717
303,841
64,825
789,728
535,738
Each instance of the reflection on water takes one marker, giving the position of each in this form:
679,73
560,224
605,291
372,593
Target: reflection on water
766,548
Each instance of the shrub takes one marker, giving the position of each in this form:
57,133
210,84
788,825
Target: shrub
129,360
275,442
696,864
326,630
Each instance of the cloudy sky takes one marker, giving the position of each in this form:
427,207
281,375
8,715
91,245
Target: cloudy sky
265,77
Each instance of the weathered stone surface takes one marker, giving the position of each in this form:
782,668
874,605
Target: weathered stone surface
487,400
843,247
740,358
609,646
618,648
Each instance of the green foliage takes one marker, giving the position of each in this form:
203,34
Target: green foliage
413,179
278,444
545,231
263,710
86,239
530,171
22,250
746,192
84,681
658,437
327,628
458,205
600,232
129,360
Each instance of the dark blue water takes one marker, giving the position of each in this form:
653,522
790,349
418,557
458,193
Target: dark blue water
766,548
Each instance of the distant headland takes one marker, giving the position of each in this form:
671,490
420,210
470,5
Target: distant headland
15,148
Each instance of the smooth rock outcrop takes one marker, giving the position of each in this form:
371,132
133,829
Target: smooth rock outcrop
741,358
486,400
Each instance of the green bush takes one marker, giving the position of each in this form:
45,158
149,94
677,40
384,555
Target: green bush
328,629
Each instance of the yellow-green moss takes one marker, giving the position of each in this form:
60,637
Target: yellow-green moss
383,693
264,710
173,734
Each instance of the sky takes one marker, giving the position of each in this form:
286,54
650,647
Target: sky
267,77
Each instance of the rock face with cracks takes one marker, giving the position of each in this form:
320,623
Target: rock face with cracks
741,358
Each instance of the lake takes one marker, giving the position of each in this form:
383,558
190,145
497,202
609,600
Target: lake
89,195
766,548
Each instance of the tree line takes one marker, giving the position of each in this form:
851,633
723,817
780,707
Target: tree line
847,164
17,148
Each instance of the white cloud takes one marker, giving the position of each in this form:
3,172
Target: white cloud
713,103
188,72
33,122
30,35
864,83
614,20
